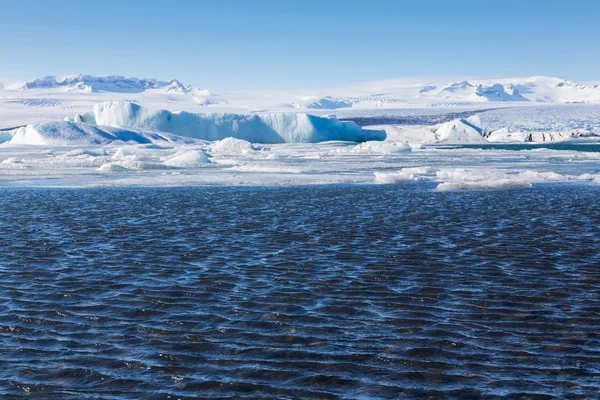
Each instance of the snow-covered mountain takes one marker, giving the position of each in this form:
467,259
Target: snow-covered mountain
442,92
114,84
392,93
439,92
538,89
465,91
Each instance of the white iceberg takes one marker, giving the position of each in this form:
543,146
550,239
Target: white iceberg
466,130
65,133
265,128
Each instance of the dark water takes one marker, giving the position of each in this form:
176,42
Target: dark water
312,292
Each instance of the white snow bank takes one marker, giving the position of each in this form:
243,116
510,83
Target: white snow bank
265,128
460,131
65,133
387,147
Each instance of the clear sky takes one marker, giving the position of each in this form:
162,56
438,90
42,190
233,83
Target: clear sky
290,44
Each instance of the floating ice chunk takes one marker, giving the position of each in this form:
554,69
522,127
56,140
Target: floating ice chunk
140,157
416,146
386,147
470,179
188,158
588,177
232,146
265,128
460,131
13,160
131,165
108,167
86,152
538,177
483,184
404,175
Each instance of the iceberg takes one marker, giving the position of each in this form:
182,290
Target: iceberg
460,131
7,135
264,128
66,133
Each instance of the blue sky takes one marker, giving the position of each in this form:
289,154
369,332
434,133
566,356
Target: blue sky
287,44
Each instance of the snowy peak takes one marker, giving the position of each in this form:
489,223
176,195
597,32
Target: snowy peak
114,84
467,91
453,87
498,92
549,89
539,89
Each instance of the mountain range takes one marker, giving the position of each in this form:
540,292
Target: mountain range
392,93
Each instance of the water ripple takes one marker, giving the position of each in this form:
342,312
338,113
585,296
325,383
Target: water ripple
299,292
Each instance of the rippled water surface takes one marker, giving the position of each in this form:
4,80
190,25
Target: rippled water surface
300,292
